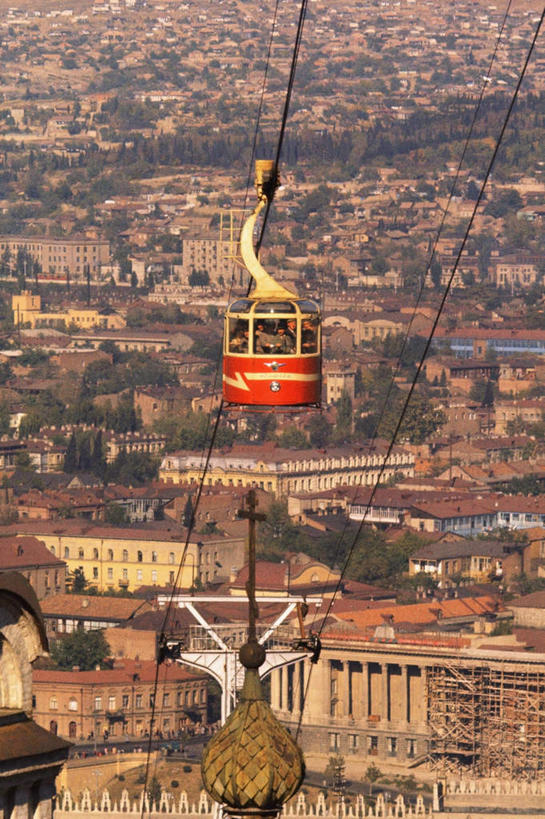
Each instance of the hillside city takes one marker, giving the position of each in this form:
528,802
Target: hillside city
127,136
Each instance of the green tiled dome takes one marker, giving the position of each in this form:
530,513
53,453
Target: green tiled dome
252,766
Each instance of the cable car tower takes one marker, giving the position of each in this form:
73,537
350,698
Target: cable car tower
215,648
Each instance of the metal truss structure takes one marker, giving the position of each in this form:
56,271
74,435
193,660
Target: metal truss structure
214,648
488,720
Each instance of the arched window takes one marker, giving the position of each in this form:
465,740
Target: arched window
139,556
53,704
125,554
95,554
72,730
154,557
81,554
66,551
171,557
110,554
52,550
72,704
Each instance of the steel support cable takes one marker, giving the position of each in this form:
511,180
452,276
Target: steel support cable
439,232
386,401
173,592
220,408
429,340
252,156
287,101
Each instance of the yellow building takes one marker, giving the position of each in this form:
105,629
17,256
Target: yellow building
27,309
118,558
282,471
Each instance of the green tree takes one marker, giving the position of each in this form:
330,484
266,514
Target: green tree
4,418
420,422
5,372
436,272
154,791
320,431
376,560
98,460
115,514
505,201
293,438
79,581
277,534
198,278
334,770
84,456
85,649
343,423
372,775
132,469
187,515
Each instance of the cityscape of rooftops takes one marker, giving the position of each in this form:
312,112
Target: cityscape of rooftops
338,357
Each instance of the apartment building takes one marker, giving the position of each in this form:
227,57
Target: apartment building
115,557
117,701
282,471
516,272
210,254
61,256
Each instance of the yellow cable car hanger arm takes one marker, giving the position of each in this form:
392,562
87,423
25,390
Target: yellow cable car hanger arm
265,285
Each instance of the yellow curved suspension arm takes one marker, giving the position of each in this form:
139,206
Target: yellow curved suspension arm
265,285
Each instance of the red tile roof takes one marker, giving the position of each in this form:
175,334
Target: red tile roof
123,673
25,552
420,613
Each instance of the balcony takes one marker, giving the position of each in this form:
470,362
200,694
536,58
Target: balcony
116,716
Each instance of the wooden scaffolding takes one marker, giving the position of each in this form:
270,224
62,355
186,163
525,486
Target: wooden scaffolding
487,720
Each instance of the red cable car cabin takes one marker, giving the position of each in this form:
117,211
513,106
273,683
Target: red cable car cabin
272,353
272,339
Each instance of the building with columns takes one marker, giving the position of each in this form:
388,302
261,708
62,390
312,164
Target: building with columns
467,704
283,471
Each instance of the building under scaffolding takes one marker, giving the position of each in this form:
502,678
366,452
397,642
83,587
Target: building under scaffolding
487,719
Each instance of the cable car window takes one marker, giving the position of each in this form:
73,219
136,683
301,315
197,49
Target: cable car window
273,337
238,335
308,307
241,306
309,336
274,307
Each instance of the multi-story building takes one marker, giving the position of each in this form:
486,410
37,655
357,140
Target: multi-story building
27,309
61,256
29,556
339,378
66,613
116,701
116,557
148,443
465,703
210,254
282,471
113,557
516,272
475,342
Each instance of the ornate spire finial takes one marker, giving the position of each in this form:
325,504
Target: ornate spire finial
252,766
